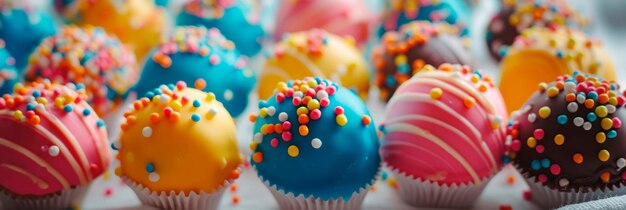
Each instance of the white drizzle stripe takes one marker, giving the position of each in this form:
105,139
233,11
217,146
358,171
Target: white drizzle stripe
426,99
93,134
73,142
422,164
444,76
36,159
311,67
407,128
485,155
36,180
56,141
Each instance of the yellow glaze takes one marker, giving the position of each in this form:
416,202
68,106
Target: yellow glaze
186,155
138,23
533,59
336,59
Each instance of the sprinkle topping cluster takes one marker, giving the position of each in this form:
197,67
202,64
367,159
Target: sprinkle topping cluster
85,55
309,97
549,13
316,40
197,40
568,135
43,97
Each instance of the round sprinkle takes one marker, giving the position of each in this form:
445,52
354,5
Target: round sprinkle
538,134
68,108
283,116
572,107
271,111
258,138
150,167
592,117
563,182
532,117
316,143
436,93
587,126
293,151
606,123
545,163
146,132
578,158
196,103
555,169
274,142
531,142
228,95
578,121
621,163
605,177
552,92
257,157
195,117
601,111
535,165
559,139
562,119
341,120
604,155
303,130
600,137
611,134
53,151
154,177
366,120
469,102
86,112
544,112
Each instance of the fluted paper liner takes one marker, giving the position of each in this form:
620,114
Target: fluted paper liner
61,200
177,200
550,198
419,192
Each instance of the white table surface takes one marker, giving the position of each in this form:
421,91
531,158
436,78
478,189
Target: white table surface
108,192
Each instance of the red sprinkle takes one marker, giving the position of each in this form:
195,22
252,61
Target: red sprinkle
527,195
338,110
315,114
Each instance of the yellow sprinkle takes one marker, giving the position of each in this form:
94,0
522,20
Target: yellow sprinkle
613,94
156,99
600,137
302,110
210,97
176,105
604,155
559,139
612,100
341,119
542,86
544,112
531,142
42,100
552,92
606,123
313,104
436,93
293,151
58,102
400,59
303,88
475,78
253,146
601,111
263,112
18,115
311,83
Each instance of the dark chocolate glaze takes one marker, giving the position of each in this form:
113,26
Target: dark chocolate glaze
505,36
584,176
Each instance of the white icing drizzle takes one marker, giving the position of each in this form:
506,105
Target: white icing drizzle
36,180
489,159
37,160
407,128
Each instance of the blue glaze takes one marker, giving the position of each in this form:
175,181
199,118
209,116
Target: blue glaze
8,73
22,31
458,12
162,3
234,24
189,67
347,160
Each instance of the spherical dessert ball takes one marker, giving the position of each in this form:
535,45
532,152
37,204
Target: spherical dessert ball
314,138
400,12
444,127
402,53
315,53
8,73
89,56
541,54
517,15
140,24
22,27
204,58
567,140
238,20
344,18
178,145
55,146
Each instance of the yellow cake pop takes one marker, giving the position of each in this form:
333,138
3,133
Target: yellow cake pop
315,53
138,23
542,54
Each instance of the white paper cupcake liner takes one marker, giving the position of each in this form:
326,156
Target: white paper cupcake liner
177,200
424,193
549,198
289,201
61,200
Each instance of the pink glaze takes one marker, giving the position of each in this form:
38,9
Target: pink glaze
28,164
341,17
442,139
